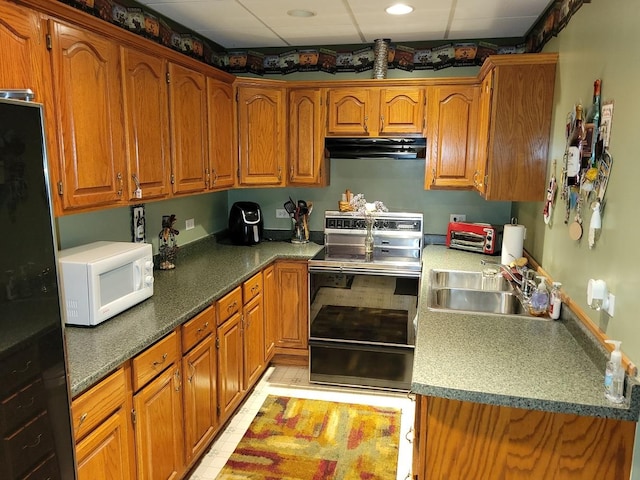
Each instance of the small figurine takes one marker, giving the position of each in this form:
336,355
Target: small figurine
168,244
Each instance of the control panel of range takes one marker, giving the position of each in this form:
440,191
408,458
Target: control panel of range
405,222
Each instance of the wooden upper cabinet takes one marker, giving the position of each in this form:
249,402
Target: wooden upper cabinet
222,134
306,138
451,136
147,124
24,63
402,111
350,112
189,136
376,111
516,125
90,117
484,125
261,135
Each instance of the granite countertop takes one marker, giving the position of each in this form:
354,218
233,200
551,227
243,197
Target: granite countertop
518,362
205,271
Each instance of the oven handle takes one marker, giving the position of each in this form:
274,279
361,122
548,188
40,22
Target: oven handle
396,272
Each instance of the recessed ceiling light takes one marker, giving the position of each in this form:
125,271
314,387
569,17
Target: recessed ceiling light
301,13
399,9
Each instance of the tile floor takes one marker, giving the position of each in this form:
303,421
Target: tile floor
293,382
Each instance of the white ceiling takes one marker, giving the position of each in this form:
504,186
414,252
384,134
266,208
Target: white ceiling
265,23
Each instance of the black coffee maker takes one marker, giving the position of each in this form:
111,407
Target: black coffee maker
245,223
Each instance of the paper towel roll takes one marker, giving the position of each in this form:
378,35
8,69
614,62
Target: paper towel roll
512,242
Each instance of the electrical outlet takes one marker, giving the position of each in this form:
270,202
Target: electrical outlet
457,217
189,224
281,213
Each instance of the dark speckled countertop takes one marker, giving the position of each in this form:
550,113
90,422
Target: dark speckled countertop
204,272
518,362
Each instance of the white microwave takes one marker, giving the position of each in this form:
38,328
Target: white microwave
101,279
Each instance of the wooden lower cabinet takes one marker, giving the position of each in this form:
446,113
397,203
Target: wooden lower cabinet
104,454
292,307
270,301
253,341
230,366
200,397
461,440
159,430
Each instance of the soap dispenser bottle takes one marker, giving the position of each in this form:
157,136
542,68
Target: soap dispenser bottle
614,375
539,303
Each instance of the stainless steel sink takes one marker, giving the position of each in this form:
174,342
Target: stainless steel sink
469,280
482,301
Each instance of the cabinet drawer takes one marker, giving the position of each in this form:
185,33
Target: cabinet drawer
18,369
228,305
26,448
154,360
22,405
197,328
252,287
97,403
47,469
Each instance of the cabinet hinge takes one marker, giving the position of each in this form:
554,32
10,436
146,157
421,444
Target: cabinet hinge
238,173
48,41
60,188
217,343
133,416
218,410
168,77
237,96
173,179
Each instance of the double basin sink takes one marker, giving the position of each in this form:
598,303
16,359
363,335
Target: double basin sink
474,292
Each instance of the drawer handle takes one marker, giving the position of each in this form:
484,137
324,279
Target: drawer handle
232,306
27,366
204,327
83,417
29,404
34,444
255,288
156,362
193,372
410,432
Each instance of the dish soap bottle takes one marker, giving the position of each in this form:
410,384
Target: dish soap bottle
539,303
614,375
555,301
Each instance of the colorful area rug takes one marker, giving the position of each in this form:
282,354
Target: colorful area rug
299,439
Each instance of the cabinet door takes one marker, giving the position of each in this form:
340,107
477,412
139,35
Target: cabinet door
25,64
350,112
518,131
105,454
306,137
253,332
222,139
270,301
293,304
200,397
188,120
230,366
159,429
147,124
402,111
452,127
262,135
90,117
484,126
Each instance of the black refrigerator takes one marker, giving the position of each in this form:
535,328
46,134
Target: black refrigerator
35,420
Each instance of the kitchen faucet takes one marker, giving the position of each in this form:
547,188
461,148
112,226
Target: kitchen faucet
525,284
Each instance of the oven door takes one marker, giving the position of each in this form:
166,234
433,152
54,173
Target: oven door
362,328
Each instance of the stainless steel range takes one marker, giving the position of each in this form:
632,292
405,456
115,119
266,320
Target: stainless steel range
363,308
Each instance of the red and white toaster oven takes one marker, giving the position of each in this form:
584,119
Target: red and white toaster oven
475,237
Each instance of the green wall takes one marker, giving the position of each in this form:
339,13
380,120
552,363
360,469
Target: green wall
599,42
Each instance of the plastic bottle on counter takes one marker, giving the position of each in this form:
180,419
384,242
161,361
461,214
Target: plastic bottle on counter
555,301
614,375
539,303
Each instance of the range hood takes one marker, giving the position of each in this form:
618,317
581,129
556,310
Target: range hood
400,148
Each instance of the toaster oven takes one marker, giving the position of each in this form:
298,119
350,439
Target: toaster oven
474,237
